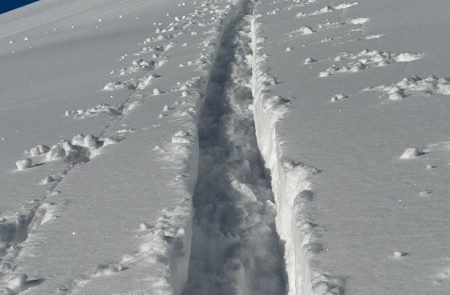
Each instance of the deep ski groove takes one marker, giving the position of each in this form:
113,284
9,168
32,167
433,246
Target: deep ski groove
235,246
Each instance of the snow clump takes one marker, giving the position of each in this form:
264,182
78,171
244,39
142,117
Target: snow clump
410,153
24,164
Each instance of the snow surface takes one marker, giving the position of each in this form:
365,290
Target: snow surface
225,147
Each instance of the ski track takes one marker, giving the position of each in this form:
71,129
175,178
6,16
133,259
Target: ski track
235,247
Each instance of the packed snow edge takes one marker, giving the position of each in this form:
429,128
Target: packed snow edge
291,183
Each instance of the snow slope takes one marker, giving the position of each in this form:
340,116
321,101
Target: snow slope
370,216
224,147
107,211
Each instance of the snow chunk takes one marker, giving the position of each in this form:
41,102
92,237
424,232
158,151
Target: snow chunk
324,74
407,57
55,153
17,283
410,153
90,142
345,5
371,37
306,30
395,93
47,180
358,21
338,97
115,85
24,164
78,140
38,150
400,254
429,166
143,64
309,60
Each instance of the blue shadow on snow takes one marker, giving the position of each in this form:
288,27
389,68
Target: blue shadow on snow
8,5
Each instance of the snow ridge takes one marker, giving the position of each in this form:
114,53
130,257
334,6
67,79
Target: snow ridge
291,182
235,246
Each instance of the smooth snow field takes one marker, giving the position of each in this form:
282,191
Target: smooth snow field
225,147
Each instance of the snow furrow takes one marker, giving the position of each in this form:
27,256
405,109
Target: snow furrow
235,246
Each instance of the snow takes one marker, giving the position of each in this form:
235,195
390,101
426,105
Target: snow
410,153
77,213
24,164
235,245
225,147
368,224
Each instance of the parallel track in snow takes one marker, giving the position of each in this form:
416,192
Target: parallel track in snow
235,246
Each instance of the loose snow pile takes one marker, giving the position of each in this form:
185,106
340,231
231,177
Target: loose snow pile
80,149
367,59
414,85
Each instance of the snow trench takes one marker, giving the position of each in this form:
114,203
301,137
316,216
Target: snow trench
235,246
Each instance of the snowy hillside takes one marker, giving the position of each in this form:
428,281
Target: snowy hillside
225,147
